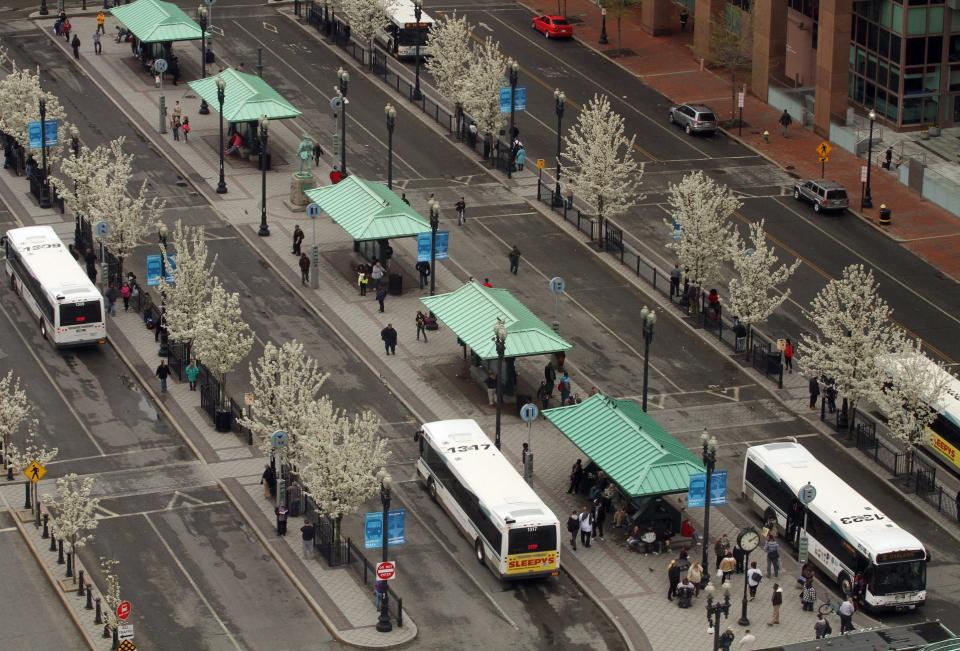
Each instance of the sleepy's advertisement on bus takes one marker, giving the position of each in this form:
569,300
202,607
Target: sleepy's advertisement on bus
518,564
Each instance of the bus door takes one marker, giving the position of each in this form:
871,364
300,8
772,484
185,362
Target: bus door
794,522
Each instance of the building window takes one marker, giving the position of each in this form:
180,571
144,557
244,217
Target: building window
917,21
934,49
896,24
916,49
954,52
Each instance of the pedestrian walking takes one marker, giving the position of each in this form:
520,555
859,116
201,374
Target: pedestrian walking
421,322
695,574
814,391
684,17
363,280
112,295
305,272
808,596
543,396
282,512
514,257
97,49
830,394
101,20
65,28
748,642
785,122
175,127
776,600
376,274
403,198
317,153
491,384
307,532
675,275
754,577
381,295
297,239
599,517
820,627
726,639
174,69
846,611
193,372
586,526
688,530
521,157
738,557
569,194
268,480
788,356
772,549
185,127
576,476
888,158
673,578
423,271
389,337
461,207
75,44
573,527
125,294
727,566
163,372
177,111
564,388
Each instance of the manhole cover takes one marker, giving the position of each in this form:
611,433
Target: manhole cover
618,54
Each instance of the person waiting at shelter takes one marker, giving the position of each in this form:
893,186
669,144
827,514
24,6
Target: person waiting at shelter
236,142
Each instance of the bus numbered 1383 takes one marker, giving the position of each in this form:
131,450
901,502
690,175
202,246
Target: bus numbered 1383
400,36
847,536
67,306
512,530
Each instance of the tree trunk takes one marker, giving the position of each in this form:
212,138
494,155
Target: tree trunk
223,390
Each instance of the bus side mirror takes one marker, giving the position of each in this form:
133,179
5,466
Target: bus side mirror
417,434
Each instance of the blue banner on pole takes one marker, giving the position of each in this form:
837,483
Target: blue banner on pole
33,130
697,493
154,268
519,99
423,246
373,528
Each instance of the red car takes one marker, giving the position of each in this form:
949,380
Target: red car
553,26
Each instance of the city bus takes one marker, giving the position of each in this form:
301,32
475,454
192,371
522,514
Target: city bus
846,535
401,34
511,529
67,306
943,434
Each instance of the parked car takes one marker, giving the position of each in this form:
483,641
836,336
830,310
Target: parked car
824,195
694,118
553,26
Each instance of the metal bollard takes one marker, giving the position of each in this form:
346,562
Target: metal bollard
163,114
98,618
116,639
81,582
36,519
69,564
89,597
60,560
46,527
53,541
106,631
26,500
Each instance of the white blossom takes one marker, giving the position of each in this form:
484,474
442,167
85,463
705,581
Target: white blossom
483,80
111,593
73,510
602,169
87,172
367,17
285,382
20,95
32,450
703,208
222,338
853,330
189,293
450,56
15,411
753,291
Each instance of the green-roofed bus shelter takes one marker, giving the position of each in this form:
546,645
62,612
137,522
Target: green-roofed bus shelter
156,21
368,210
246,97
634,450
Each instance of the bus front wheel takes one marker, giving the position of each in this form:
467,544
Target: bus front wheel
432,489
846,585
43,329
478,548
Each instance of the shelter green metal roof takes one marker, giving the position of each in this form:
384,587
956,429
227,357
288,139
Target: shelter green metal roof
246,97
953,644
368,210
635,451
153,21
472,311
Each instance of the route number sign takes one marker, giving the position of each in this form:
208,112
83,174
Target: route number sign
386,570
123,610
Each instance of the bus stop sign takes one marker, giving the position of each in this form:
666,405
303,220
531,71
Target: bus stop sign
807,494
529,413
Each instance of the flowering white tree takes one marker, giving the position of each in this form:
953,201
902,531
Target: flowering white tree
32,450
20,95
702,208
188,295
450,57
483,79
853,330
602,168
753,291
285,382
73,511
15,412
221,338
340,456
915,386
111,592
85,172
367,17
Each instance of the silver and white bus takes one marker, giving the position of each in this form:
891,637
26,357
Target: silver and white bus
512,530
68,307
401,34
847,535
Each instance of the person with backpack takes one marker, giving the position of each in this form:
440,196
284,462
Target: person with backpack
753,580
821,628
573,526
785,122
421,323
726,640
772,550
586,526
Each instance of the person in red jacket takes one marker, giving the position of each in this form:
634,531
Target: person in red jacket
788,356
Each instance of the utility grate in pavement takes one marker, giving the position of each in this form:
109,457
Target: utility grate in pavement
621,53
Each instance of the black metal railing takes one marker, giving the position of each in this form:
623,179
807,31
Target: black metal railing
209,392
360,564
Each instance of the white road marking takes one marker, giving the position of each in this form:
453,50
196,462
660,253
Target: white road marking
270,28
188,500
486,27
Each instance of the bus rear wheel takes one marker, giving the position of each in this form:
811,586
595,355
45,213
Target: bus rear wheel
478,549
432,489
43,329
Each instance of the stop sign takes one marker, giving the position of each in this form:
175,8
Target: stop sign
123,610
386,570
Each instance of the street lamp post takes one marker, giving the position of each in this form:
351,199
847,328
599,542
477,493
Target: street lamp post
715,609
264,133
647,318
391,123
343,79
43,8
559,99
383,623
867,201
164,340
221,88
417,12
434,225
44,185
202,18
709,461
603,26
500,337
75,146
513,69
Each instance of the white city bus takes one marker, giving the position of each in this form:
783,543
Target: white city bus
846,534
512,530
400,35
67,306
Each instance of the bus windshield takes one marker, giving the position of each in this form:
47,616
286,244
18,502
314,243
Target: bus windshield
532,539
408,36
80,313
899,577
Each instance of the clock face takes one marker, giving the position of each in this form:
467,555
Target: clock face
749,540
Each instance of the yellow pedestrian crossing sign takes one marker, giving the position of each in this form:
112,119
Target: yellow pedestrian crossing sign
824,159
824,150
541,163
34,472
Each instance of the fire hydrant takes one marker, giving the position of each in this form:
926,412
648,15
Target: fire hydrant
884,215
766,136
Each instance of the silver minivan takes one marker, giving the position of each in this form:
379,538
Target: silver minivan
824,195
694,118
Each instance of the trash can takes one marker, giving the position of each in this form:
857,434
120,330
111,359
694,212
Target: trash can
773,363
222,420
395,286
